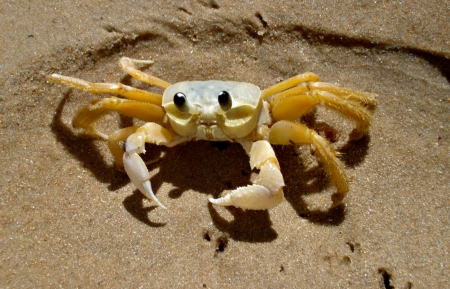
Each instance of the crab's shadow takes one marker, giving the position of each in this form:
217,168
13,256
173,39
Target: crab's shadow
210,168
302,182
85,149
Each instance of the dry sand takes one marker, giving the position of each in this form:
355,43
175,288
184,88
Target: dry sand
69,219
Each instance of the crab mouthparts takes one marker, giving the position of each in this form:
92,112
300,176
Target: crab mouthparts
207,122
207,116
210,130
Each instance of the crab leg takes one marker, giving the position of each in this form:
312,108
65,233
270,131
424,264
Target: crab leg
299,94
87,115
267,190
116,149
116,88
290,132
127,64
135,145
289,83
344,93
295,102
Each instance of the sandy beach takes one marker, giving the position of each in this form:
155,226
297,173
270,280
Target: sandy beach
69,219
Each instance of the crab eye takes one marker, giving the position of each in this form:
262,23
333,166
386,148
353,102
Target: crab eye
224,100
180,101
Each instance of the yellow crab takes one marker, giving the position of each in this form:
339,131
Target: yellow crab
222,111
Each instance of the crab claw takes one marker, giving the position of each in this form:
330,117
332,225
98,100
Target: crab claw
133,163
138,173
267,191
252,197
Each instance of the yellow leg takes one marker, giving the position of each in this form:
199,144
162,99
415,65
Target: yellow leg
289,83
127,64
295,102
116,88
87,115
114,140
350,109
290,132
364,98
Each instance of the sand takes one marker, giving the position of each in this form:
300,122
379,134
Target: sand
69,219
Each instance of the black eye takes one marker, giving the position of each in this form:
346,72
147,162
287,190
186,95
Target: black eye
224,100
180,101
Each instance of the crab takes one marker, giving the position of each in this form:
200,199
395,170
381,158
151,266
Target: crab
216,110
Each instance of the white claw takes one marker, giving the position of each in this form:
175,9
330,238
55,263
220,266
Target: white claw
267,191
252,197
139,176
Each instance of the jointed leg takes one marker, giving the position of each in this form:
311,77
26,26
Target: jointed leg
87,115
350,109
116,149
295,102
290,132
127,65
310,81
289,83
267,190
114,140
116,88
348,94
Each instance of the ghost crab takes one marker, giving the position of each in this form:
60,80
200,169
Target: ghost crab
222,111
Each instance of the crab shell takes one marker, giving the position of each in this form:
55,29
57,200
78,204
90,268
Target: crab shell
202,117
